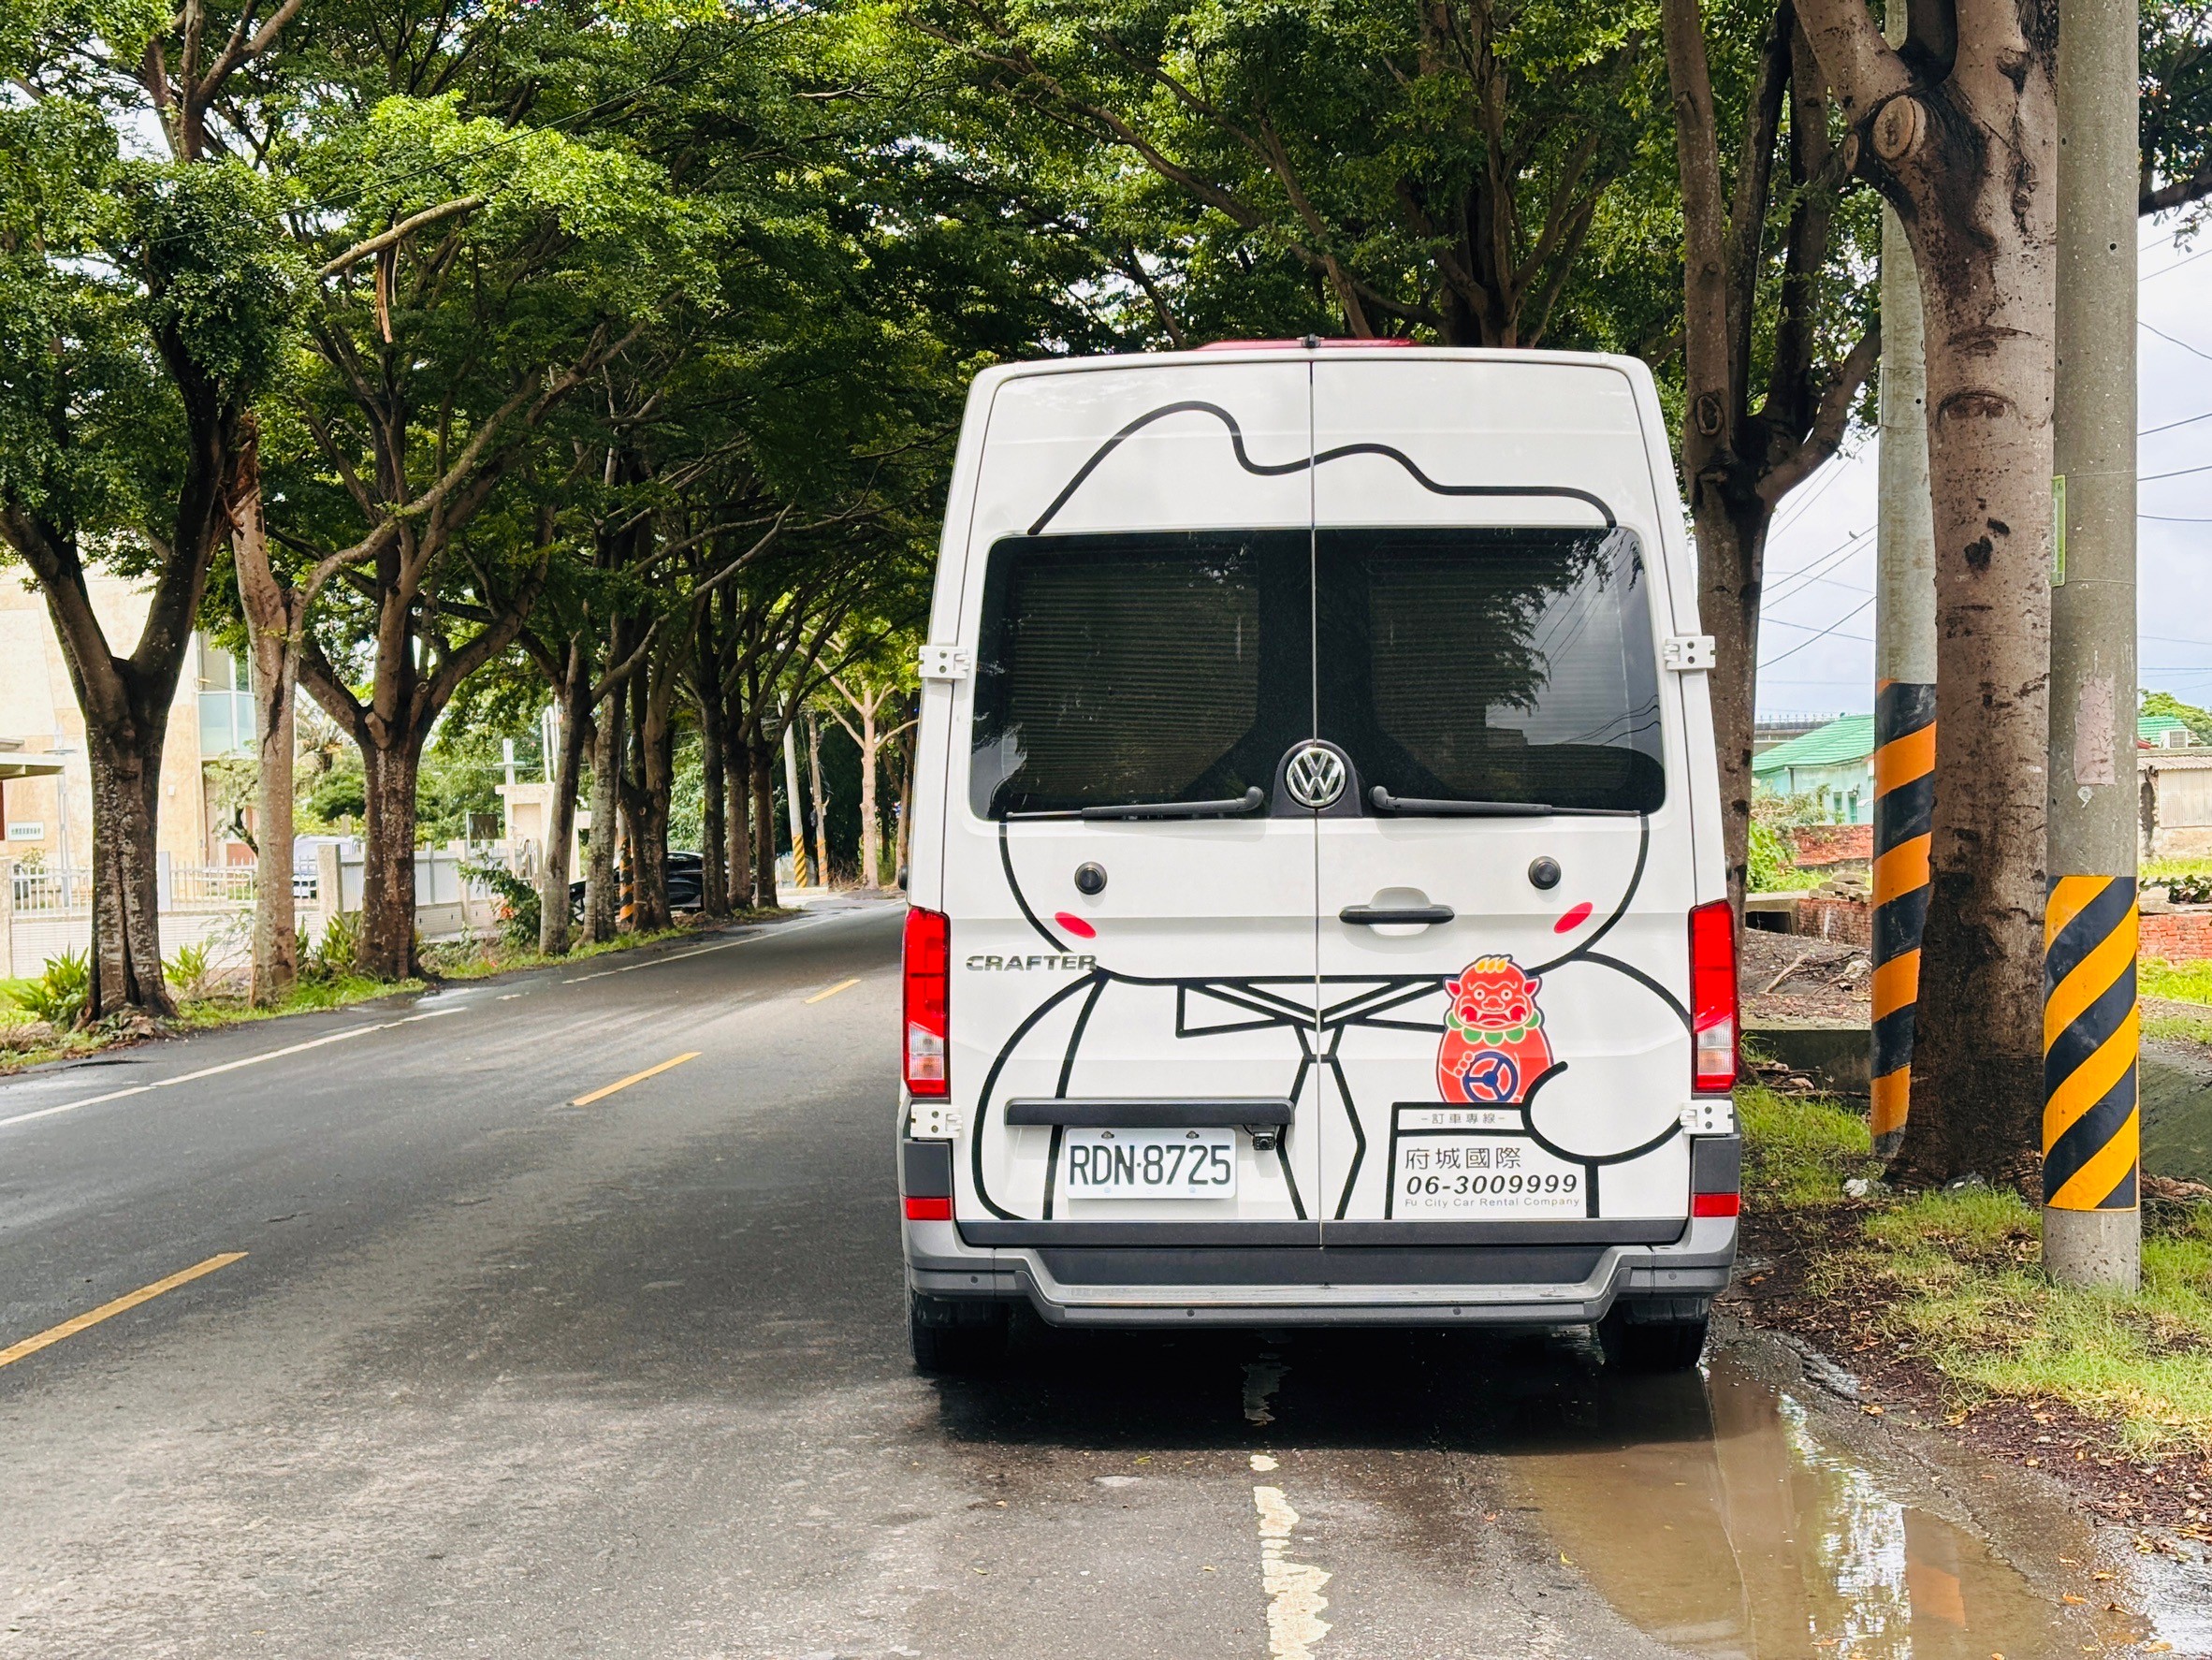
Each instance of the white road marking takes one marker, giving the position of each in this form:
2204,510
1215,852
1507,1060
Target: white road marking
1294,1599
677,956
229,1066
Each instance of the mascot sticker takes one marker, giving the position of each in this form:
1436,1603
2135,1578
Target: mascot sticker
1494,1046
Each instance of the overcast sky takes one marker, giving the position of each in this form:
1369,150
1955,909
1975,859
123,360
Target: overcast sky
1819,563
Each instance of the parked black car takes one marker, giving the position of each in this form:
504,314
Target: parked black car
687,884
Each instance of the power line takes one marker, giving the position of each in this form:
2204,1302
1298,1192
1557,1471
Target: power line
2177,472
2171,341
2184,421
1824,633
2174,266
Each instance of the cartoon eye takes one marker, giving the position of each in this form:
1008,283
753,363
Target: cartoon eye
1576,916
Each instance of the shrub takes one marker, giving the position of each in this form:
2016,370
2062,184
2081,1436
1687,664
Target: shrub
341,940
58,996
188,969
1772,869
519,905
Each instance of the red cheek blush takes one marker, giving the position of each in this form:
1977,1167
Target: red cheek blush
1573,919
1082,930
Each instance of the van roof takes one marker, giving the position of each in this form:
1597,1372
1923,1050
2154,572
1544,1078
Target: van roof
1213,353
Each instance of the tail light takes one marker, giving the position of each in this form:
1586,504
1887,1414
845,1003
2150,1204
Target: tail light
1712,996
1704,1204
929,997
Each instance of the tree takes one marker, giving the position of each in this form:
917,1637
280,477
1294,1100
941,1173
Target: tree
1958,128
1753,298
2176,105
142,306
480,314
870,693
2198,721
1440,167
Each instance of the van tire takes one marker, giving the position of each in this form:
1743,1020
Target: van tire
952,1338
1648,1346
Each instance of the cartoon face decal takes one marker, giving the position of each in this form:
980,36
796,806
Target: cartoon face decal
1493,1046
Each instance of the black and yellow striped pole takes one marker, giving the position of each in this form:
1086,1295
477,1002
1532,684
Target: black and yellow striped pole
1904,808
2091,1125
1904,682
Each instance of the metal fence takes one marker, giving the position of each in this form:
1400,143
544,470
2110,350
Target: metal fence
179,884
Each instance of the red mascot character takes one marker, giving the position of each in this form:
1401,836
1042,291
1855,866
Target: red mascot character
1493,1044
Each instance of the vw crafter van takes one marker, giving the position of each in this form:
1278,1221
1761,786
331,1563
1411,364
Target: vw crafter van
1318,908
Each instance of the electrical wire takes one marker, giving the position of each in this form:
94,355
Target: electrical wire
1822,634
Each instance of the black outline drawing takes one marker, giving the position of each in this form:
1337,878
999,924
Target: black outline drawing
1305,463
1319,1031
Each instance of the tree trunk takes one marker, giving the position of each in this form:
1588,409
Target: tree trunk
275,615
645,809
127,892
871,833
599,864
820,802
737,770
1969,160
763,822
912,762
1731,552
1978,1031
714,886
554,919
388,947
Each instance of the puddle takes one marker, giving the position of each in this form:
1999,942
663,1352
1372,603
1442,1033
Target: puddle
2176,1113
1727,1522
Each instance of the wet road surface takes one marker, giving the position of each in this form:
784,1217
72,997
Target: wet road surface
502,1373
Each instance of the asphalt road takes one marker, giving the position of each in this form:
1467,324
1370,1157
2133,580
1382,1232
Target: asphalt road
500,1373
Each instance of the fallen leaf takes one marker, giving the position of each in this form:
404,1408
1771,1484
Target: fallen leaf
2070,1597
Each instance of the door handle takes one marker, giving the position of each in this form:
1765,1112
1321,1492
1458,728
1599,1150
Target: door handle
1385,915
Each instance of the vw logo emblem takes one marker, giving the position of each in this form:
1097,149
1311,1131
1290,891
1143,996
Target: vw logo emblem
1315,777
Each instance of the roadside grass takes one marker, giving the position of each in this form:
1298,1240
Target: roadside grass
2180,982
1953,1278
499,956
2167,869
1799,1150
2186,1029
26,1042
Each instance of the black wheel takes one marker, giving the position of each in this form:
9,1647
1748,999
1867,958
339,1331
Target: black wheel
1655,1339
950,1337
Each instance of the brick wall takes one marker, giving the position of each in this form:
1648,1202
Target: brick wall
2179,935
1845,921
1817,845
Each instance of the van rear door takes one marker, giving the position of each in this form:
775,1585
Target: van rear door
1131,923
1502,921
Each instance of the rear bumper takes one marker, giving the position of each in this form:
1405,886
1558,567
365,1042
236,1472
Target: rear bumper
1562,1283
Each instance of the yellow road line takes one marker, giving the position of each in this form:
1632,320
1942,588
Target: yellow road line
585,1100
69,1328
833,990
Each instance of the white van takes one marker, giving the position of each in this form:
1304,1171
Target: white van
1318,910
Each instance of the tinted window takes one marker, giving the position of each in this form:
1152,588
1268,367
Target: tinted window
1135,668
1491,665
1454,664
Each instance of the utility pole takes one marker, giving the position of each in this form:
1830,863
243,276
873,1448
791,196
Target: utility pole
2092,1224
793,809
1904,683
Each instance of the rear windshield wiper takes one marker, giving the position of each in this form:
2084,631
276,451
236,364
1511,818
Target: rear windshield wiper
1250,801
1387,803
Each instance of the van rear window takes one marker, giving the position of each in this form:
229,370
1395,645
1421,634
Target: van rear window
1450,665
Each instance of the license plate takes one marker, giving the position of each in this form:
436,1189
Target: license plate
1448,1175
1152,1164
